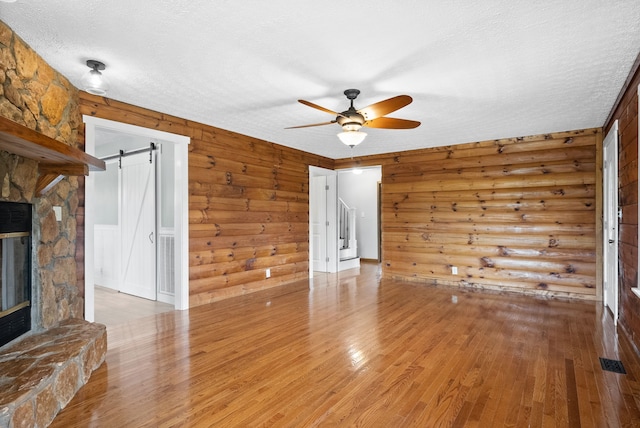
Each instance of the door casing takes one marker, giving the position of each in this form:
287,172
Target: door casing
610,220
181,208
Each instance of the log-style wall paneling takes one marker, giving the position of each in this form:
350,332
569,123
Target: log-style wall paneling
517,214
248,204
626,112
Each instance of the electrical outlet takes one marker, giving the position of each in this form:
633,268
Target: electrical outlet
57,210
268,273
454,270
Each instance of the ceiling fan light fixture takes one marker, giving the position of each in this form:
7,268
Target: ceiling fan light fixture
351,126
352,138
373,116
93,81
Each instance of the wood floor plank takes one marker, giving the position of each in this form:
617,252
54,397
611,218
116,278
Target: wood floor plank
573,408
351,349
583,372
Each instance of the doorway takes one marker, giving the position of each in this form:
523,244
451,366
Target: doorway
610,220
359,188
177,209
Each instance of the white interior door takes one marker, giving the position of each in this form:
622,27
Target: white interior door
331,204
138,226
610,220
318,223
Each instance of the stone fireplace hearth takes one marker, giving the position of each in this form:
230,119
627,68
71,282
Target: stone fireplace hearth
40,374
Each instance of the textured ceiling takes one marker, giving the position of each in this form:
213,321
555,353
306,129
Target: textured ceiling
476,70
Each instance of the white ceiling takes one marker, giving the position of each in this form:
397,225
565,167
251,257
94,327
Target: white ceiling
476,70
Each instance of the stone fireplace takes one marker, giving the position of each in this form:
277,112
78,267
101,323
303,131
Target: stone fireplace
41,370
36,96
55,295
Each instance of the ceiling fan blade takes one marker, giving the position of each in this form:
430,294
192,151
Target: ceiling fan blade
385,107
313,124
391,123
316,106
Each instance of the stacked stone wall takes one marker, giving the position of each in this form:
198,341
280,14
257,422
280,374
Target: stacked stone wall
37,96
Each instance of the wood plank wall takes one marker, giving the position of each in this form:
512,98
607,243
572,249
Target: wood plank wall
248,204
626,112
516,214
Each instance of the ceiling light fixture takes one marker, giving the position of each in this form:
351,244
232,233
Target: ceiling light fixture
352,138
93,81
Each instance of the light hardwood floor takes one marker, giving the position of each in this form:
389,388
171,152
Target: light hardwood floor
353,350
113,308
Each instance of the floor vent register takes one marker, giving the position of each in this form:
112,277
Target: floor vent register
612,365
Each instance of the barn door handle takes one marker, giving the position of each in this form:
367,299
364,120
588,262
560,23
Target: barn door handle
151,237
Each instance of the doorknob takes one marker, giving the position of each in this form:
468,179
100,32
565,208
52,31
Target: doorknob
151,237
611,241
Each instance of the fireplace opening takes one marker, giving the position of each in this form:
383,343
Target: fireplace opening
15,270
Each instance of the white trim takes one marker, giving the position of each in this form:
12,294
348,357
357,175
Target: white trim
135,130
636,289
611,220
181,225
89,221
181,213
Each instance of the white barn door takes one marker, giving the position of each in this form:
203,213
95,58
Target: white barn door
138,225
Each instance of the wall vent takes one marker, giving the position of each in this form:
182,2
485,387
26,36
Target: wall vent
166,251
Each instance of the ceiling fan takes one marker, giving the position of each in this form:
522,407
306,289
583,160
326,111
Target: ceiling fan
372,116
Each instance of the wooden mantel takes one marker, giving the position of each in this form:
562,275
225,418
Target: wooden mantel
55,159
